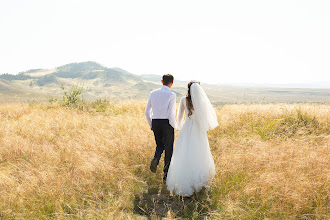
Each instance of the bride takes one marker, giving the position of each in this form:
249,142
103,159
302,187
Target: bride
192,165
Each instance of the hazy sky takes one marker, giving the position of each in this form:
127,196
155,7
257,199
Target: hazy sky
279,41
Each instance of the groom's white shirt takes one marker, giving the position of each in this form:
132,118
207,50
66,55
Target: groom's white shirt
162,104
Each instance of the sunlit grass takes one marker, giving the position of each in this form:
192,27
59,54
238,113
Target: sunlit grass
272,161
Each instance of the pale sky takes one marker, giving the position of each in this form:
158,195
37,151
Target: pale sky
232,41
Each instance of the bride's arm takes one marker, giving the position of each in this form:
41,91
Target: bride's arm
180,115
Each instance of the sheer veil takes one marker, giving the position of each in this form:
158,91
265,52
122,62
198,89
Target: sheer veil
203,111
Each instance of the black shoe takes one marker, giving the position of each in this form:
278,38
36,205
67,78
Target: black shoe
153,165
164,178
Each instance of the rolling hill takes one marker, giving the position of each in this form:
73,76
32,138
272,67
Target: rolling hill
98,81
101,82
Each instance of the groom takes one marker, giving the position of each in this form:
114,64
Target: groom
162,121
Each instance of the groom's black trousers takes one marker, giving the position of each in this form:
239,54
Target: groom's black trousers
164,136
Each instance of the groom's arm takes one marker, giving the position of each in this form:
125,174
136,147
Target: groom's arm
147,112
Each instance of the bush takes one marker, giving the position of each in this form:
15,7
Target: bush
100,105
72,96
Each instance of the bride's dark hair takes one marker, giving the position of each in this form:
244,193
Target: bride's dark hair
190,106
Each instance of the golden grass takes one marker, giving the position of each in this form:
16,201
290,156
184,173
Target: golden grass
272,162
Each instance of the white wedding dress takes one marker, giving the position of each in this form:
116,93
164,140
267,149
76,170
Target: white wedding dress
192,165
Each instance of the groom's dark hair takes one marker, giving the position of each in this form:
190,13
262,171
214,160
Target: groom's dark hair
167,79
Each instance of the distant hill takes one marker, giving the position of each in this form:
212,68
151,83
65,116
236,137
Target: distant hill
158,78
47,79
10,77
145,86
6,87
151,77
10,92
82,67
117,84
86,71
99,81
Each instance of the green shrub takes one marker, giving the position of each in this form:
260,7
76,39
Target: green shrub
100,105
72,95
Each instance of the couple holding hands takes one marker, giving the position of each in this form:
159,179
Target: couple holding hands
190,167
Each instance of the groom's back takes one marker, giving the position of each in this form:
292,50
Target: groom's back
160,100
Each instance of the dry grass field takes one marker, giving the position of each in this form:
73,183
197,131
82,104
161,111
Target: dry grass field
92,162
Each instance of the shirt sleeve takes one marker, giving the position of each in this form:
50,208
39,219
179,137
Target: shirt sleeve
171,111
180,115
147,112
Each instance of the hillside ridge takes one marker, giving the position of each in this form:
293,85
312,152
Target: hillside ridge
101,82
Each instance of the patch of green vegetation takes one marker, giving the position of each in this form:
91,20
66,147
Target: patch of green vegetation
292,122
100,105
72,96
46,79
